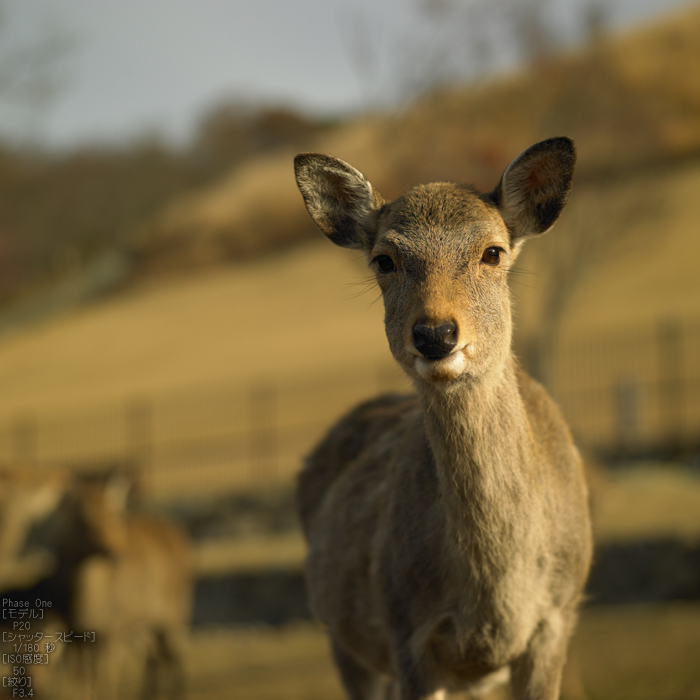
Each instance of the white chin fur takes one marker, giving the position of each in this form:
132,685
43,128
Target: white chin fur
443,370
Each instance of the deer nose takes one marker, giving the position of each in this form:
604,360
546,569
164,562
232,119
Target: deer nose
434,341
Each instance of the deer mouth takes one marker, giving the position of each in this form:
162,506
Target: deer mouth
444,369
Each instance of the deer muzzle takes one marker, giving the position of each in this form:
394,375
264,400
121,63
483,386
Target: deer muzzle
439,355
434,341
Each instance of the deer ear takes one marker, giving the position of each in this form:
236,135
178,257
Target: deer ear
535,187
339,199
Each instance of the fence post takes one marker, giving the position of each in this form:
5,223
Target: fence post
263,433
627,395
671,395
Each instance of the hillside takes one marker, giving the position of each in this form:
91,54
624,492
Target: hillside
623,256
310,310
67,215
260,321
628,101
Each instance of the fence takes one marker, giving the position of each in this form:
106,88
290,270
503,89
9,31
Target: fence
200,441
630,394
633,393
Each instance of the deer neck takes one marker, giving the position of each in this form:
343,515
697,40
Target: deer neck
480,440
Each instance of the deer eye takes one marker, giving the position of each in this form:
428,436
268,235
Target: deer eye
384,263
492,255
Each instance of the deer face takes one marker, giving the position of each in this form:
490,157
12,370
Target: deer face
441,252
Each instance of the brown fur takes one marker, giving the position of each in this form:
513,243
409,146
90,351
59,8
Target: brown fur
449,536
136,595
25,499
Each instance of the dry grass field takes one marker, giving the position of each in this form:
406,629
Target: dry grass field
313,311
645,652
302,312
307,324
261,320
628,100
644,263
649,501
294,314
626,653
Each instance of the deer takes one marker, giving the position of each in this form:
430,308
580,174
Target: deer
125,579
26,498
448,532
134,592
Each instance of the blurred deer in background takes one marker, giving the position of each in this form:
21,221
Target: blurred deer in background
127,578
449,535
28,498
25,499
136,594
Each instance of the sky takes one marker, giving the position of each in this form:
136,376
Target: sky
125,69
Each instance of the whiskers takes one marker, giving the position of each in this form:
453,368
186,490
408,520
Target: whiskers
520,276
363,285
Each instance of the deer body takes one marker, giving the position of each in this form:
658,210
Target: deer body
135,593
127,578
449,538
25,499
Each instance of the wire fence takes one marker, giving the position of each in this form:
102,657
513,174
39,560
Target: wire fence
630,394
635,393
199,441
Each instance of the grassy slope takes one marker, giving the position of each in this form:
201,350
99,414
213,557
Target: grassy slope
625,100
647,271
297,314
